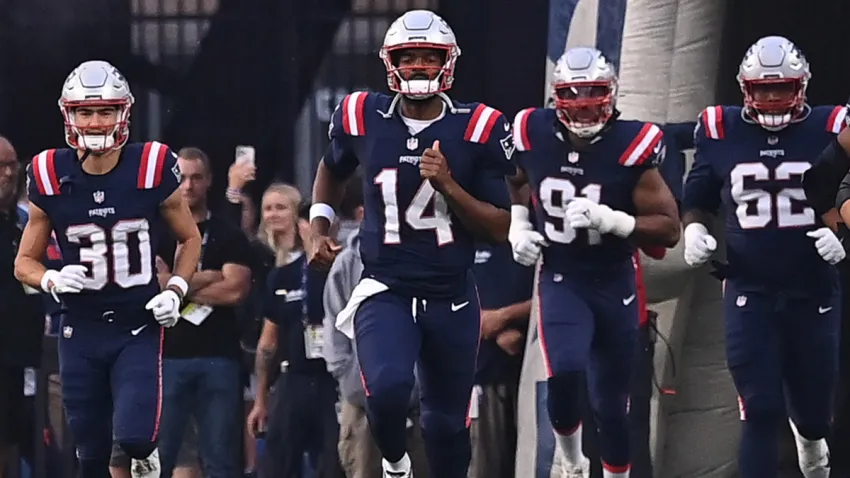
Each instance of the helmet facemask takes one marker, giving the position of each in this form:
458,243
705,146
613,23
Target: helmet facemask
98,138
585,107
419,71
774,103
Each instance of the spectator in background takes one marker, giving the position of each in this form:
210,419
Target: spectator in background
358,453
504,290
201,371
300,416
21,319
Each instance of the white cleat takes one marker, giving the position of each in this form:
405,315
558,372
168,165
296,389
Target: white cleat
146,468
390,473
582,470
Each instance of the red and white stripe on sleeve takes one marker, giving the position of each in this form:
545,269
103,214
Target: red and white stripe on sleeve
151,165
521,130
44,173
643,146
353,118
481,124
836,121
712,121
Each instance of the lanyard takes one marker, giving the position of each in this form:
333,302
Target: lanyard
304,272
204,241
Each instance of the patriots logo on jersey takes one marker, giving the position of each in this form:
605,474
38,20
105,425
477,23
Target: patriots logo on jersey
508,146
176,171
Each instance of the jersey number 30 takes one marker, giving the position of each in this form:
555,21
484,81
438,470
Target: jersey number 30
414,215
757,207
99,247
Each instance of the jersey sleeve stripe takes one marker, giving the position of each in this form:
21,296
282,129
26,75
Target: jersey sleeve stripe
150,173
835,123
521,130
712,118
160,164
642,146
481,124
353,119
45,173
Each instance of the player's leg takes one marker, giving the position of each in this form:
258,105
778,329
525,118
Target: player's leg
810,362
86,395
451,331
388,342
136,377
566,331
609,374
753,353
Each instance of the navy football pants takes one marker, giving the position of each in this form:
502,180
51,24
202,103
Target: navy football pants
589,326
395,333
781,351
111,382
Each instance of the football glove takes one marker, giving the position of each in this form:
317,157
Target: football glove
699,244
582,213
165,307
828,245
69,280
526,243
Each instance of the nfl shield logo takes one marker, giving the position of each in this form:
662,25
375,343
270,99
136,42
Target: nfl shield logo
98,196
412,144
67,331
772,140
741,301
572,157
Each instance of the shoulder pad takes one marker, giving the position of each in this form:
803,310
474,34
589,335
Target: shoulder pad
481,124
837,119
646,143
43,168
353,117
151,165
712,122
521,130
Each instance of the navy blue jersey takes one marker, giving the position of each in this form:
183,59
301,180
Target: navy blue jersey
605,172
410,239
110,223
756,175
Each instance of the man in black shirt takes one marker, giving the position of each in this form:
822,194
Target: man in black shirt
21,314
201,372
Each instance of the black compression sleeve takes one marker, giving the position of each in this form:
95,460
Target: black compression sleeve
821,182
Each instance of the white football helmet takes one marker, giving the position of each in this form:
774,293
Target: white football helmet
419,29
773,77
584,90
96,84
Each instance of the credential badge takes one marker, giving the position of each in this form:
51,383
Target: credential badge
99,197
572,157
412,144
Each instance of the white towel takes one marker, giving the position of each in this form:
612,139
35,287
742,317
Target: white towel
365,288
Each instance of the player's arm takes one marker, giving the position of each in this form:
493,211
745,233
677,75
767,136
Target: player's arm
29,268
338,164
823,181
175,212
657,220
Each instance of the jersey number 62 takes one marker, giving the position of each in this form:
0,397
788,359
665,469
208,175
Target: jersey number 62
757,207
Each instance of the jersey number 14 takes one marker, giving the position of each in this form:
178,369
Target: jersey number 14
414,215
99,247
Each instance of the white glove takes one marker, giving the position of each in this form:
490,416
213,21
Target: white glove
526,243
69,280
699,244
165,307
828,245
582,213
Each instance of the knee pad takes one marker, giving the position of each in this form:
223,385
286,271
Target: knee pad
137,450
563,400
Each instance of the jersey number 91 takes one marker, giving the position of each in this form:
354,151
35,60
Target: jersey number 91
98,247
555,194
758,207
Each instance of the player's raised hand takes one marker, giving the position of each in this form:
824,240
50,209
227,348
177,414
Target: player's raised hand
828,245
69,280
434,167
699,244
323,251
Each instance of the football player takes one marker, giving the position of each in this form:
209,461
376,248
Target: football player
597,194
781,292
109,203
433,182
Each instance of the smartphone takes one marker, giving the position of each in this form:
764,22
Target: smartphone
245,154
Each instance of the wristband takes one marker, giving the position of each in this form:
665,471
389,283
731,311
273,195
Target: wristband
321,209
179,284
